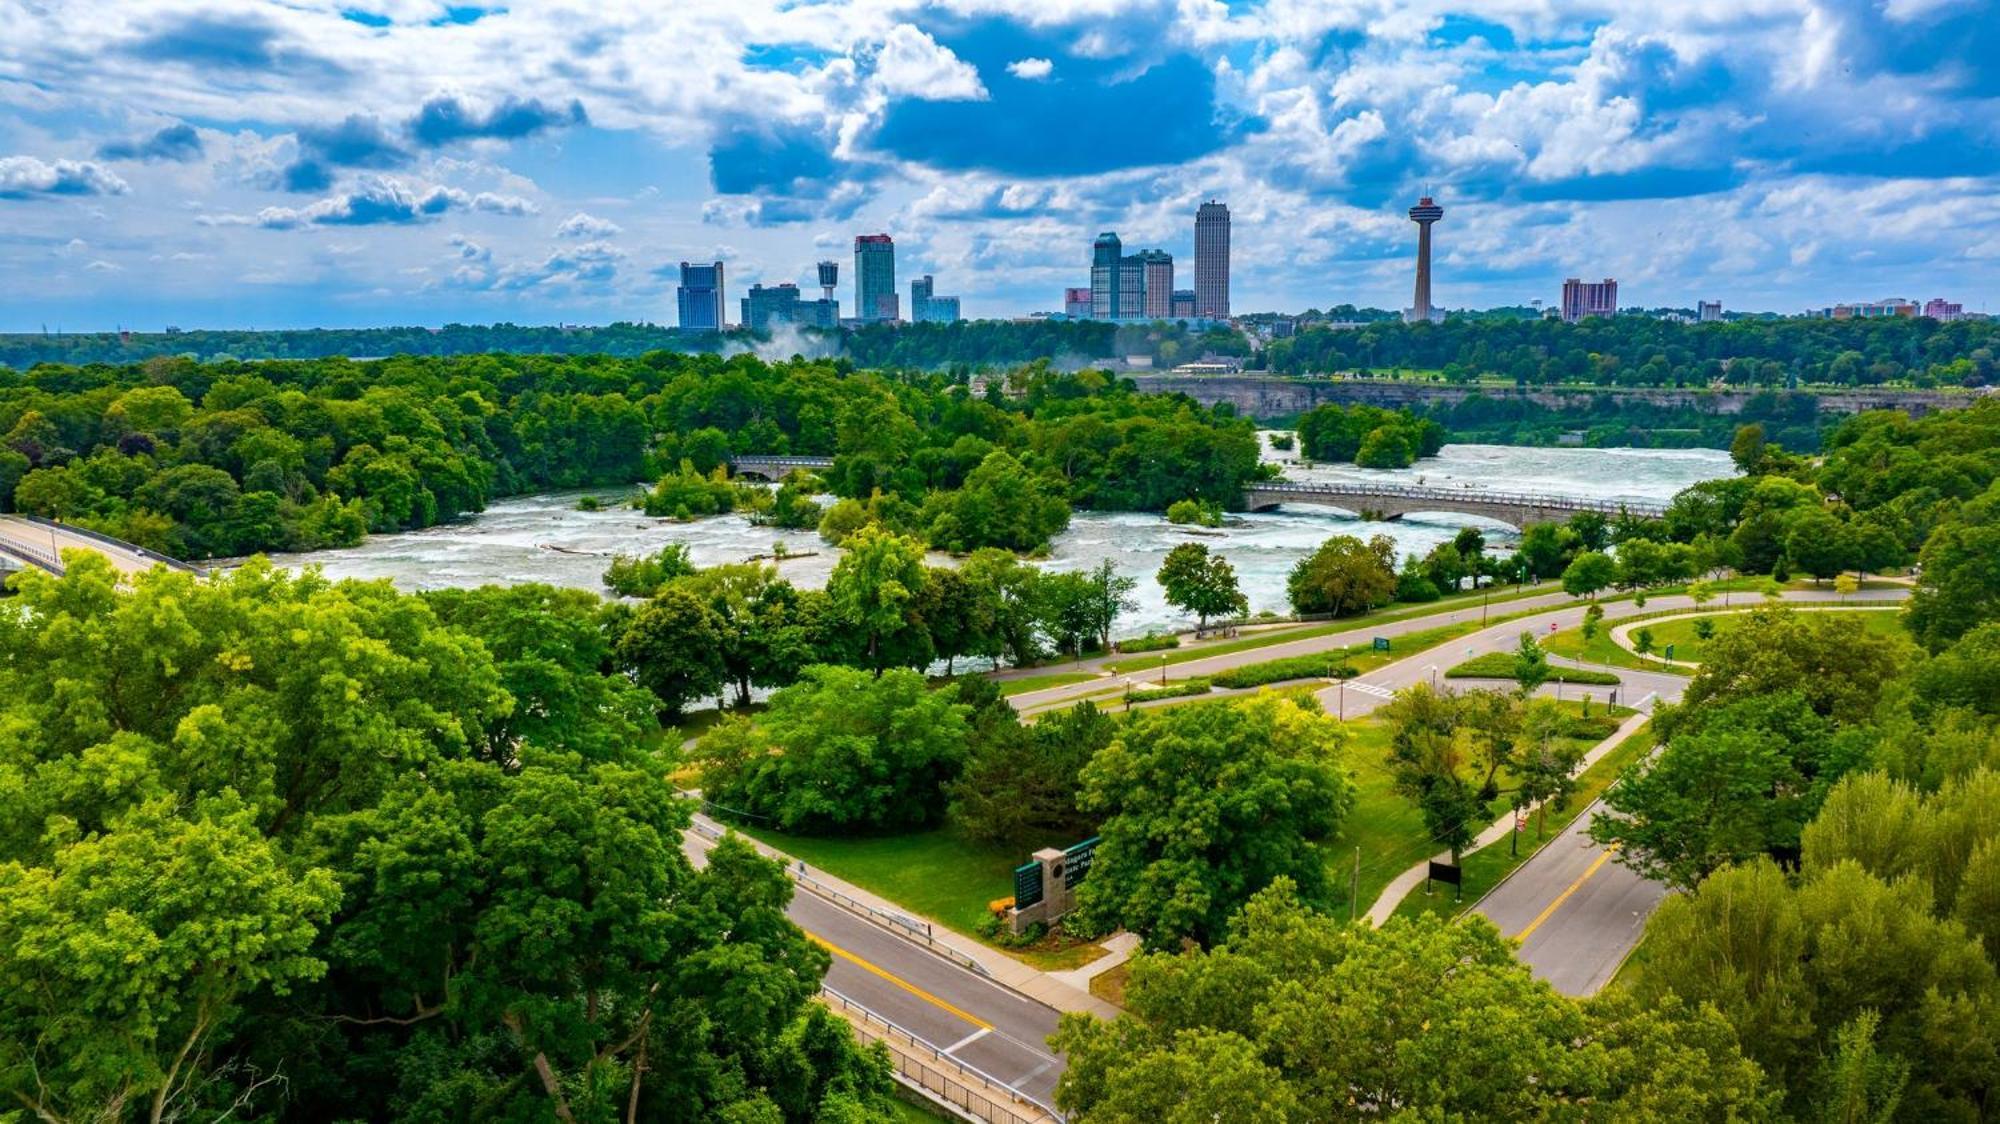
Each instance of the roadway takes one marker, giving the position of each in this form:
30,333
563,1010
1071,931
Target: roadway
956,1011
45,542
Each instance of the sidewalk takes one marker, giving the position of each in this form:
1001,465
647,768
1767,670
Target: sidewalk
1119,948
1043,987
1400,887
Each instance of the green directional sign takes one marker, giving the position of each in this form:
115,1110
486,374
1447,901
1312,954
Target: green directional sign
1381,643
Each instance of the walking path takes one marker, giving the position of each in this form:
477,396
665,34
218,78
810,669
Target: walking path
1621,635
1118,949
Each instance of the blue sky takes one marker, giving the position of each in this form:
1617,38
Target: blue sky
352,162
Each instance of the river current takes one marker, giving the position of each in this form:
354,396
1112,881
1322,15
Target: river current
544,538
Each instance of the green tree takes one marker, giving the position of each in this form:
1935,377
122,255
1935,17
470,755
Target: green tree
1531,664
1021,789
1001,504
1589,572
1960,585
1201,806
646,576
840,748
1201,583
875,588
1345,575
673,647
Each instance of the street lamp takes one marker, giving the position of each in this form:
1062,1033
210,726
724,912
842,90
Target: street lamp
1434,676
1163,669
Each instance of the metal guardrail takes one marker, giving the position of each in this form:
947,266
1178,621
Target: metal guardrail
972,1092
40,559
909,928
784,462
1456,496
107,540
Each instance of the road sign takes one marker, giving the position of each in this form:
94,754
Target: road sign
1381,643
1446,872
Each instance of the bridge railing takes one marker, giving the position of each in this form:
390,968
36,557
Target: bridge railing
107,540
784,462
1455,495
41,559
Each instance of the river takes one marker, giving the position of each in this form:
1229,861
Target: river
544,538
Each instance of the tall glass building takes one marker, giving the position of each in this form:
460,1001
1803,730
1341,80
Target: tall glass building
701,298
1211,261
875,278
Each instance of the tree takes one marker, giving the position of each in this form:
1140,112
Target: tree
1831,660
1110,598
766,630
875,588
1002,504
1642,641
840,748
1200,583
1548,548
1960,584
1298,1016
1819,543
1746,449
647,575
1201,806
1020,788
1593,618
1590,571
673,648
1007,606
1531,665
1344,576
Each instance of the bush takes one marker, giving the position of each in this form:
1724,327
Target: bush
1500,665
1151,642
1280,670
1196,512
1171,691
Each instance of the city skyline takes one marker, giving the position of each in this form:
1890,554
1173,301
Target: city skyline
251,164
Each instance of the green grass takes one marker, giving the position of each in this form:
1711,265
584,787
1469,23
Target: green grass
1688,644
1500,665
1484,868
906,1110
1028,683
1387,829
1387,615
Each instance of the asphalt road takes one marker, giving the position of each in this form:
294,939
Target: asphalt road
43,541
956,1011
1575,909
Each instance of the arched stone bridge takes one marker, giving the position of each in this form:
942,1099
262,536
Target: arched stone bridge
1393,501
29,541
775,469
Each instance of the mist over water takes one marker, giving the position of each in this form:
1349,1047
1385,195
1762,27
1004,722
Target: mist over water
544,538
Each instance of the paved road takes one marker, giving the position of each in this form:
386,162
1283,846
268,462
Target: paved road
1575,909
983,1025
43,542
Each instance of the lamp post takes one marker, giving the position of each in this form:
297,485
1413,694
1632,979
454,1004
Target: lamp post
1163,669
1434,676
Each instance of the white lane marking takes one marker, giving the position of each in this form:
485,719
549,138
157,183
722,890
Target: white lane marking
1371,689
969,1039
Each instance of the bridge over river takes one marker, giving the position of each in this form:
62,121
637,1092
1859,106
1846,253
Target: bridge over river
26,540
1393,501
775,469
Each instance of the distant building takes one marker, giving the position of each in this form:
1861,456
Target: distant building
1211,261
1076,303
1158,283
1181,305
1589,298
875,279
829,279
928,308
1708,312
1105,253
1131,288
1872,310
1425,214
1938,308
700,297
766,305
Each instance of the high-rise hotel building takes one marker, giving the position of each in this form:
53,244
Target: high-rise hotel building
1211,261
700,297
875,278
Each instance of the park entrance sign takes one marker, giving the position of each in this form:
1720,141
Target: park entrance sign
1045,885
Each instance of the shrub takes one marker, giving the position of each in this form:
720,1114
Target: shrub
1151,642
1280,670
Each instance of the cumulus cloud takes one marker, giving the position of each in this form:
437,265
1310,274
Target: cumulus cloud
446,118
583,225
913,64
378,201
178,143
1032,69
23,177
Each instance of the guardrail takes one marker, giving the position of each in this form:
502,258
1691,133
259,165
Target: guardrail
965,1088
40,559
785,462
1449,495
909,928
107,540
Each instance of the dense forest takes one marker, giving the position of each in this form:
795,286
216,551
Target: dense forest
203,460
1644,351
1621,351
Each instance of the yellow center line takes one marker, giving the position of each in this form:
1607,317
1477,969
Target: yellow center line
906,985
1564,896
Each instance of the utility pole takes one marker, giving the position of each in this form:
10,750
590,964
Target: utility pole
1354,885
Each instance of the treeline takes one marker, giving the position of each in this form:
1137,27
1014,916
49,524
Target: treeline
1790,418
201,460
1644,351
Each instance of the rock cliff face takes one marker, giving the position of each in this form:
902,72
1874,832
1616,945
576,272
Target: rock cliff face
1270,398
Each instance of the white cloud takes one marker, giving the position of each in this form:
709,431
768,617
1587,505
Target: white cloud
1032,69
585,225
913,64
23,176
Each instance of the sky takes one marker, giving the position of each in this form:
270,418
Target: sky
367,162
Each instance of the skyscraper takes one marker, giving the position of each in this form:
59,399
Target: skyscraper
1158,266
1589,298
1104,257
700,297
875,278
1211,261
1423,214
1131,288
768,305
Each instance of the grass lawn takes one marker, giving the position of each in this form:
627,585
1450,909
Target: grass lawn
1387,828
1151,660
1600,649
1110,985
1688,643
1485,867
939,874
906,1110
1028,683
